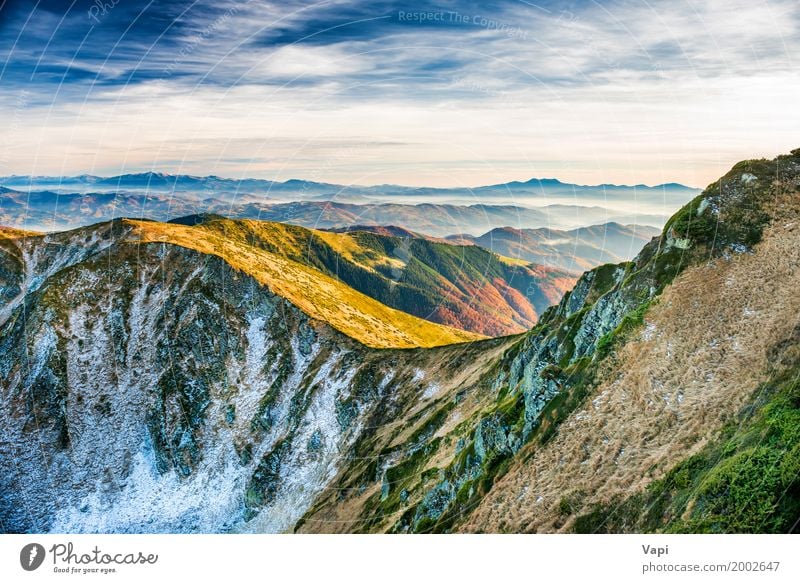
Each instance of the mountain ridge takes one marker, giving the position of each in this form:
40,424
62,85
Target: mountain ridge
139,178
457,287
574,250
472,292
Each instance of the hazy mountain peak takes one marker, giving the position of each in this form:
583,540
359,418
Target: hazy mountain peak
545,181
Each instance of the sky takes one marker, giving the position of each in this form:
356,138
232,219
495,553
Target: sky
448,93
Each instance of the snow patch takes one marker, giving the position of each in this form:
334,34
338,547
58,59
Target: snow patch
304,474
208,502
431,391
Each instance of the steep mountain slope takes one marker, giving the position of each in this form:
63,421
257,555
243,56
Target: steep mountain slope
692,426
574,250
582,412
167,391
153,387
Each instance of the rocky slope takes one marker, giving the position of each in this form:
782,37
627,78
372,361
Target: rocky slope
154,387
151,387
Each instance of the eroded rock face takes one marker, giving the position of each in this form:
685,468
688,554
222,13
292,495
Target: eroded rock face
149,388
535,375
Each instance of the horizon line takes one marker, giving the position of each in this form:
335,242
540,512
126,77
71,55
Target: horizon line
353,185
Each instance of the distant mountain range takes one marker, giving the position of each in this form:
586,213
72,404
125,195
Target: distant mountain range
549,187
55,203
160,182
51,210
231,188
574,250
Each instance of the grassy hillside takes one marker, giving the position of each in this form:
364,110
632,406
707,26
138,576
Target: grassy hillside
265,251
465,287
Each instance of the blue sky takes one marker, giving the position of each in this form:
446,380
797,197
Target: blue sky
436,93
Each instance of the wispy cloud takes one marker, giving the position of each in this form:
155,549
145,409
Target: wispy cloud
438,92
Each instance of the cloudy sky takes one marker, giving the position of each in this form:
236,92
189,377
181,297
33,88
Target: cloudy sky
421,93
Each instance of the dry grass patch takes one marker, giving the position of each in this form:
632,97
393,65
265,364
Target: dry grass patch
12,233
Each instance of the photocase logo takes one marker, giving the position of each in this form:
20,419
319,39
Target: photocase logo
31,556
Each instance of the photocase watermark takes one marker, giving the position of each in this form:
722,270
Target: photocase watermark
66,559
31,556
460,18
100,9
188,48
481,88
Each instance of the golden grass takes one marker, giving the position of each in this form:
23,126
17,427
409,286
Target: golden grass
348,247
703,352
12,233
343,243
318,295
515,261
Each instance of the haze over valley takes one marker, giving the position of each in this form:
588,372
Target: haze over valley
50,203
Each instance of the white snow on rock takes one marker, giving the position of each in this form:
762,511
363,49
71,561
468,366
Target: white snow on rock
431,391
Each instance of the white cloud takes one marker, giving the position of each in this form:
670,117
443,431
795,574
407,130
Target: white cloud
299,61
